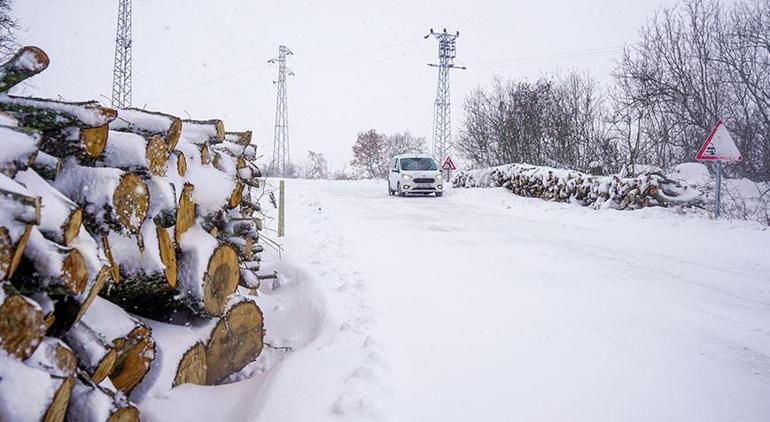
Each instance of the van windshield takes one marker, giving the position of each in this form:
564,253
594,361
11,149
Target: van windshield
418,164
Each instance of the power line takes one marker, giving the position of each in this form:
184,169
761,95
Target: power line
551,57
209,82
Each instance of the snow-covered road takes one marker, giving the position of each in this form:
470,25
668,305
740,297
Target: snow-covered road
486,306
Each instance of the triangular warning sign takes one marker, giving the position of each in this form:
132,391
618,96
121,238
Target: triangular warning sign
448,164
719,146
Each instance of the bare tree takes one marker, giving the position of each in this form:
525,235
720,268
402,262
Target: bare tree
373,151
316,166
8,27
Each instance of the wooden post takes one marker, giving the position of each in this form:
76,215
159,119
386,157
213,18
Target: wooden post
281,209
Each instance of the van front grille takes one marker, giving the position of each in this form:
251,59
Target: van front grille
426,180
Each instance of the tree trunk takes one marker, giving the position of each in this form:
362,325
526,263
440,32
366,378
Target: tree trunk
44,114
240,138
83,143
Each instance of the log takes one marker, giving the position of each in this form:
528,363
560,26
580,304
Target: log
111,198
13,242
54,357
46,165
149,124
17,203
60,217
45,115
163,201
240,138
131,340
134,153
146,276
236,341
51,267
208,272
95,354
32,394
84,143
18,148
203,131
92,402
27,62
22,324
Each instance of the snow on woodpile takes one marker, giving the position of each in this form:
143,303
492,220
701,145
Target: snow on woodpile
649,189
115,223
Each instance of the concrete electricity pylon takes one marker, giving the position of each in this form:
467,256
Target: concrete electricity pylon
121,78
281,157
442,119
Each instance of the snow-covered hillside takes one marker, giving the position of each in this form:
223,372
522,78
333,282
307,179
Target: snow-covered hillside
487,306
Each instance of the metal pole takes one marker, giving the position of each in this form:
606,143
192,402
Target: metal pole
281,209
719,189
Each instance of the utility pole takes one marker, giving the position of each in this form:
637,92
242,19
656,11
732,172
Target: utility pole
121,78
442,119
281,156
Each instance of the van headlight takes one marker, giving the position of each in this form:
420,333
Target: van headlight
407,177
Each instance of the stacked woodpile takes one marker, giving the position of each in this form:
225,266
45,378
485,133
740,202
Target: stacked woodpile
111,220
623,193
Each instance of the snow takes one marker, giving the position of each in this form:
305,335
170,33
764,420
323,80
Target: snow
130,259
142,120
483,305
196,247
17,146
89,185
56,208
199,132
212,187
124,150
109,320
88,114
24,391
8,120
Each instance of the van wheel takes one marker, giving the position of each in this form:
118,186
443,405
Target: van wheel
400,192
390,191
439,194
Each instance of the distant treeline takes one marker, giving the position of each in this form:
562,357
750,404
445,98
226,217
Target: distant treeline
694,64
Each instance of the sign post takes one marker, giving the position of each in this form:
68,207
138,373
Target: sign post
448,166
719,147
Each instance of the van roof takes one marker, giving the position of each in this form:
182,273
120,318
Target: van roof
413,156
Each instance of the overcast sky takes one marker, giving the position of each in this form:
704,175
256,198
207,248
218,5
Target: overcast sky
359,64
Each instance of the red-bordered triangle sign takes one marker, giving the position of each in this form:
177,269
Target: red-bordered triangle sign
719,146
448,164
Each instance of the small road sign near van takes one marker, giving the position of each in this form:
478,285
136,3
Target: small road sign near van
448,164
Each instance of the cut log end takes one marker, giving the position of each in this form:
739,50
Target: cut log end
57,410
185,212
135,354
174,132
220,280
94,140
181,164
235,196
131,202
22,326
236,341
167,255
74,272
192,367
71,226
6,252
157,156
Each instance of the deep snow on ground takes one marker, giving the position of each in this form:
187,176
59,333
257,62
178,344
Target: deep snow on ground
487,306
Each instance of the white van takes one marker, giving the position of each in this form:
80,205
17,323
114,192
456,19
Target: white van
414,174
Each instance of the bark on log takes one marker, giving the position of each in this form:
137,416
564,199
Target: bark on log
18,148
131,152
208,272
91,402
236,341
44,114
84,143
203,131
22,324
60,218
149,124
112,199
27,62
32,394
46,165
